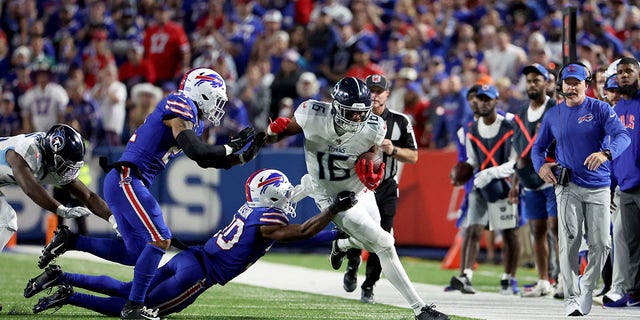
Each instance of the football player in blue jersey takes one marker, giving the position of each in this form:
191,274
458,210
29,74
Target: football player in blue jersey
173,127
255,227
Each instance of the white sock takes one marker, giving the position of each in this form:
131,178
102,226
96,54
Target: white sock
506,276
5,235
468,272
395,273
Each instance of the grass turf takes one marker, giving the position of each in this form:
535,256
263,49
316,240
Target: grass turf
235,301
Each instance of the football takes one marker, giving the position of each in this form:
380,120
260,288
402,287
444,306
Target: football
376,158
461,173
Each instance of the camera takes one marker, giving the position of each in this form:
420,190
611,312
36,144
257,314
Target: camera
562,175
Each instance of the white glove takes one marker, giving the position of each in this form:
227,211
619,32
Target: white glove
484,177
71,213
114,225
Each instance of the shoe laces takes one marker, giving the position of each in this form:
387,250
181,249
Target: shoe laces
149,312
430,310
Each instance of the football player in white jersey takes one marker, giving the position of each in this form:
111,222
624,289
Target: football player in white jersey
335,135
53,157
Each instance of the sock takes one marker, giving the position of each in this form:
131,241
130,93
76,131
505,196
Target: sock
113,250
100,284
505,276
393,270
5,235
469,273
144,271
108,306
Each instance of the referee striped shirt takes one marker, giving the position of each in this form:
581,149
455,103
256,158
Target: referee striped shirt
400,132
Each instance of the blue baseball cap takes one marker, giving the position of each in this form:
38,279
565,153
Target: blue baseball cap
537,68
574,71
612,83
489,91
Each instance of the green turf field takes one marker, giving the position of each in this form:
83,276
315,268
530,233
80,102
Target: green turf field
235,301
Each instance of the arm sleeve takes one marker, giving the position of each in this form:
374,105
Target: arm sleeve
538,151
197,150
620,138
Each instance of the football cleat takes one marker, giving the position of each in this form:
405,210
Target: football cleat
463,284
47,279
540,289
63,240
350,281
139,312
56,300
336,255
430,313
367,295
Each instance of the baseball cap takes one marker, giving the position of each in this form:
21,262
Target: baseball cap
573,70
612,83
8,96
272,16
538,68
362,47
489,91
408,73
377,80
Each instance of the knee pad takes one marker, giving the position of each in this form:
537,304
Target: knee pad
8,218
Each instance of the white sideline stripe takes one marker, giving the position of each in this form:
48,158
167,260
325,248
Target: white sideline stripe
481,305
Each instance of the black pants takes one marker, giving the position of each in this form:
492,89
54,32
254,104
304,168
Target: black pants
387,201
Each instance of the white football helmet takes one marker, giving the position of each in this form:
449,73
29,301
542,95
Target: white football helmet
269,188
208,90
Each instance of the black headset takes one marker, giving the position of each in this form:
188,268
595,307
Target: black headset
559,76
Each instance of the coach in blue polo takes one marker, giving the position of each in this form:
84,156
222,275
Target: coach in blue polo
589,135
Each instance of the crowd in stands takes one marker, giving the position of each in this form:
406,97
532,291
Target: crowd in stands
103,65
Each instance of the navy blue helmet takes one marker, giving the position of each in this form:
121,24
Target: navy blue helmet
63,153
352,102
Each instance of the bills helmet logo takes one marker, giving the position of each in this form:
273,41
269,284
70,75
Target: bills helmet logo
585,118
214,79
56,141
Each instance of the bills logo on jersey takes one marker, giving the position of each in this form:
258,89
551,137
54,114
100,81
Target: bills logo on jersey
57,140
214,79
585,118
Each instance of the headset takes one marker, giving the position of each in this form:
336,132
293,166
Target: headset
559,76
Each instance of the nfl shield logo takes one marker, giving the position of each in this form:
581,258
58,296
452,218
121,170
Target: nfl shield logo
375,78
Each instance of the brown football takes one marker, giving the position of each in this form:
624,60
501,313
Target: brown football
461,173
376,158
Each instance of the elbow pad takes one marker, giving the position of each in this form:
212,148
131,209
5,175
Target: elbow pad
197,150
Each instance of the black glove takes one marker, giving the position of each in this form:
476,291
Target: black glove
342,234
238,142
345,200
258,142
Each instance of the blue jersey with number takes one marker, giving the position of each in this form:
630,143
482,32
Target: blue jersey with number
240,244
152,146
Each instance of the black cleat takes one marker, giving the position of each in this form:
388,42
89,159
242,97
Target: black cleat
63,240
463,284
350,281
367,295
336,255
56,300
139,312
430,313
47,279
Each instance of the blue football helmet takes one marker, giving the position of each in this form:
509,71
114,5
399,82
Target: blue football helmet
269,188
351,95
63,153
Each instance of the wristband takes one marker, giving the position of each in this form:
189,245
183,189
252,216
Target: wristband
228,150
395,151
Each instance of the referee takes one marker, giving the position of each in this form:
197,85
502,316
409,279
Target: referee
399,145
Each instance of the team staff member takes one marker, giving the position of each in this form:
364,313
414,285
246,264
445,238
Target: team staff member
539,198
581,126
626,170
399,145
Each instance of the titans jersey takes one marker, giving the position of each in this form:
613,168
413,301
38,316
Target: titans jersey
152,146
240,244
27,147
330,157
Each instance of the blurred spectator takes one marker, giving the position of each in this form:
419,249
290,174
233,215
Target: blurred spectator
97,17
391,58
128,32
264,43
82,112
509,99
136,69
362,65
214,57
504,59
68,58
5,57
632,43
166,46
276,48
144,97
41,48
111,95
417,108
449,111
405,76
235,119
254,90
340,56
65,22
96,56
321,38
43,105
10,122
307,87
284,82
